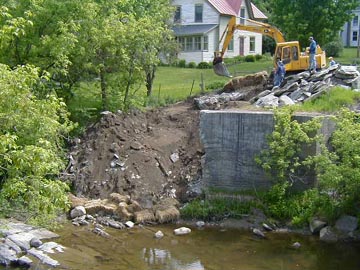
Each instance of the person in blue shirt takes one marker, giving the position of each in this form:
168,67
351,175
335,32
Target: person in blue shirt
279,73
331,61
312,52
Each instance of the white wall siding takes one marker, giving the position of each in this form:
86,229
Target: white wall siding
210,14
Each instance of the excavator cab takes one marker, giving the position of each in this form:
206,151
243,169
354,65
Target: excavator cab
219,66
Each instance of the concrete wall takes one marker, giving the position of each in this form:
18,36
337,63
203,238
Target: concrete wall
232,139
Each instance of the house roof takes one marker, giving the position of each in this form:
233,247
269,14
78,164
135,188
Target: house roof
232,7
195,29
257,13
228,7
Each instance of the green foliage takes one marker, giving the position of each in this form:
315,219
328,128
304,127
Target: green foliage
333,48
322,19
282,158
192,65
182,63
215,209
332,101
250,58
258,57
31,140
337,168
215,85
204,65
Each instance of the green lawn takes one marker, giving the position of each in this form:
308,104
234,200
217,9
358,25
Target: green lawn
347,57
179,83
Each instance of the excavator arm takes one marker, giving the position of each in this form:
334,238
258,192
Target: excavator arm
232,26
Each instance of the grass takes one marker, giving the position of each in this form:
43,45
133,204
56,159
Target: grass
331,101
347,57
180,83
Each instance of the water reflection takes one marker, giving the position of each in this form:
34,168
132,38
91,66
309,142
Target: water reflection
163,259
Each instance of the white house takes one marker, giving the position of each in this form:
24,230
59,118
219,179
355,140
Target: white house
199,25
350,33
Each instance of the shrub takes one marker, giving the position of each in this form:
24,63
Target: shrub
192,65
258,57
182,63
203,65
250,58
333,48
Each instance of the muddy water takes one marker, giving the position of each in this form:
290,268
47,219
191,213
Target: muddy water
209,248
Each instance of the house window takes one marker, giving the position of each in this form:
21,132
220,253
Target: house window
205,43
231,45
252,44
193,43
198,13
242,16
197,43
181,41
355,21
354,36
188,44
177,15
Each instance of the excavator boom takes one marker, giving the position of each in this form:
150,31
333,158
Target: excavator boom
288,51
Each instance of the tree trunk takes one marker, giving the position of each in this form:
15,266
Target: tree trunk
103,89
150,76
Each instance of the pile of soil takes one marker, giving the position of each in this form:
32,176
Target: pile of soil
147,155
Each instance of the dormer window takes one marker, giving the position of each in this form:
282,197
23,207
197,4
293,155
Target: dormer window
198,13
177,15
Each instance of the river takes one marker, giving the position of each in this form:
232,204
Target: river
202,249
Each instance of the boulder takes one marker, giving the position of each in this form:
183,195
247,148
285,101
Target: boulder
182,231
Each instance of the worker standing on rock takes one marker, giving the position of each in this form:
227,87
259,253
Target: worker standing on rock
279,73
312,52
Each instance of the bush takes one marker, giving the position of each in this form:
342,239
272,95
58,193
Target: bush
192,65
203,65
258,57
182,63
333,48
250,58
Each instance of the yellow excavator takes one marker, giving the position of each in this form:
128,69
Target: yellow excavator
288,51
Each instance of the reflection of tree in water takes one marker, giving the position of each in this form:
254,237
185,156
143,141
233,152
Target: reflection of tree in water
160,257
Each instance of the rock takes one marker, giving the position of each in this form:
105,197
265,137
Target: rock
327,234
35,242
159,235
259,233
267,101
51,247
129,224
22,239
296,245
7,255
285,101
100,232
78,211
76,201
182,231
346,224
316,225
44,258
200,224
24,261
116,224
267,227
174,157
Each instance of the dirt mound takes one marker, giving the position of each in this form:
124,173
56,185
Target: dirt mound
147,155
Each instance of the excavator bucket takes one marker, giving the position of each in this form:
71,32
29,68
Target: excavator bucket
221,70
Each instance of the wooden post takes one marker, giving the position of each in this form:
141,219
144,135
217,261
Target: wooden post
202,85
192,86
